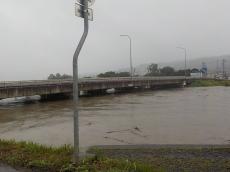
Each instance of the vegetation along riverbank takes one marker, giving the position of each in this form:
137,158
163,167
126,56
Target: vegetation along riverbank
38,158
210,83
34,157
178,158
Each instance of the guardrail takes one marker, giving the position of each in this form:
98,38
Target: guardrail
5,84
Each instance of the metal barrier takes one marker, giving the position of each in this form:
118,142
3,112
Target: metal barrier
5,84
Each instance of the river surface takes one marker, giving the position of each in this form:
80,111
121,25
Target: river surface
176,116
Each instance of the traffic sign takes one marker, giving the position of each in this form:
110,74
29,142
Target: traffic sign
90,2
80,11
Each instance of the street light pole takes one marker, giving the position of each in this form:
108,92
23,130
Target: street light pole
131,60
75,81
185,60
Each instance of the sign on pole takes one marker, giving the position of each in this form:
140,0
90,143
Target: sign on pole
79,11
90,2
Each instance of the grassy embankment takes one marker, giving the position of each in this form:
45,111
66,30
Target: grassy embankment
142,159
185,158
210,83
40,158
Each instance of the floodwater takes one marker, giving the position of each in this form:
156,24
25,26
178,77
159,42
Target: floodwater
176,116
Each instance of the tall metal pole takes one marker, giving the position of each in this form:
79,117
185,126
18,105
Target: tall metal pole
131,59
224,74
217,66
75,81
185,60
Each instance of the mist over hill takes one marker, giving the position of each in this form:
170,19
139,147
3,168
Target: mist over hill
213,63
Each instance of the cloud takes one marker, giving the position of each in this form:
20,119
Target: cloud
40,37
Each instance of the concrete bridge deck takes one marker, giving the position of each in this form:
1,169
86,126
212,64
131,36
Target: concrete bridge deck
10,89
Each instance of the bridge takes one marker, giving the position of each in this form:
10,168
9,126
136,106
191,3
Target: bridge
47,88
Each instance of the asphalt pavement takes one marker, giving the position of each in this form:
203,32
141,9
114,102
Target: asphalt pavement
4,168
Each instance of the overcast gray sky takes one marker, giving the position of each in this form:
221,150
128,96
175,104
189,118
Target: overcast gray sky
39,37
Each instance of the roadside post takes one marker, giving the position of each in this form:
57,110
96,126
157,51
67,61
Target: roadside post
81,10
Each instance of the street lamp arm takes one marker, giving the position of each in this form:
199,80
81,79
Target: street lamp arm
127,36
181,48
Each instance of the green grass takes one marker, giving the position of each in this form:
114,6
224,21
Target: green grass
144,159
183,159
41,158
210,83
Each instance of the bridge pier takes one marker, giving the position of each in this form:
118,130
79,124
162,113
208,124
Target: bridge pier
58,96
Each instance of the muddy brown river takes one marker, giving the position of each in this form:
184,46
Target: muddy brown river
176,116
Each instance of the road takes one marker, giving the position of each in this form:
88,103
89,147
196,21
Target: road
4,168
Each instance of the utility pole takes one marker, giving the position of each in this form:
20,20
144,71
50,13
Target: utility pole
185,60
217,66
130,53
224,73
81,10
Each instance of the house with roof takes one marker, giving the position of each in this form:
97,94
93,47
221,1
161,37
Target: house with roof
198,73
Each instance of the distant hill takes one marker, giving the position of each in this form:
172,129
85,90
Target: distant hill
211,63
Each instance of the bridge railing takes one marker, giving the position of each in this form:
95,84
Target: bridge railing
32,82
131,79
84,80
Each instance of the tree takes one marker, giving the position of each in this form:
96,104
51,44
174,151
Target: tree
113,74
153,68
182,72
167,71
58,76
123,74
107,74
65,76
51,76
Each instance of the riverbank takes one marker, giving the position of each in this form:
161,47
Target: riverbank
34,157
210,83
146,158
187,158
